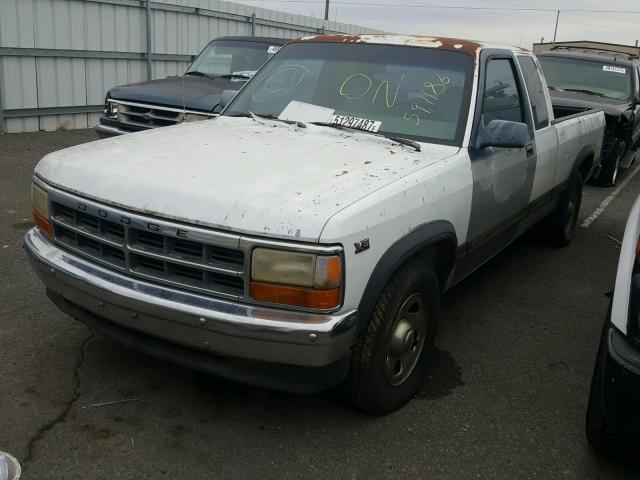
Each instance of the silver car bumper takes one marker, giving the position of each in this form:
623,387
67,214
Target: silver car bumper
202,323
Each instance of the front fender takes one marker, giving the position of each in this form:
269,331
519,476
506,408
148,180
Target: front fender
418,240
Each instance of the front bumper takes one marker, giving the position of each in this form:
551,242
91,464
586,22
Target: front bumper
621,377
202,332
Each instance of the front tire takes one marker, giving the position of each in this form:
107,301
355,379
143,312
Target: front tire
389,360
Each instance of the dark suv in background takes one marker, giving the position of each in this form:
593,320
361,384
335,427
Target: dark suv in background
226,63
583,78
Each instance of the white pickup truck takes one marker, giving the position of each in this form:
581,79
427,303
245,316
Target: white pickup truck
303,239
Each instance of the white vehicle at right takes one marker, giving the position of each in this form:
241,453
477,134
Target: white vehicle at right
613,416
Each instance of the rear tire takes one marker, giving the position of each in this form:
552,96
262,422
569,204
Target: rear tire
561,225
389,360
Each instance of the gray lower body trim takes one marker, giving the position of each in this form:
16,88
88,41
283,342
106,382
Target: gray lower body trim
282,377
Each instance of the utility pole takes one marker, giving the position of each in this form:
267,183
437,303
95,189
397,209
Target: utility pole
326,10
149,40
555,33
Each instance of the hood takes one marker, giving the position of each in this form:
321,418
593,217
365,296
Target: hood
239,174
200,93
583,101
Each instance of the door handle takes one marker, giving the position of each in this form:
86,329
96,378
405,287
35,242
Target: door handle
530,150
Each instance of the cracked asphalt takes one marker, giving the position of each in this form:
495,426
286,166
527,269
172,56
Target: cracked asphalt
505,398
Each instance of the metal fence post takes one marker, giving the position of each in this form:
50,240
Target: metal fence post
253,24
149,39
2,127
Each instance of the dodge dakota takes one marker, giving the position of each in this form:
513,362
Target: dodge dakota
302,239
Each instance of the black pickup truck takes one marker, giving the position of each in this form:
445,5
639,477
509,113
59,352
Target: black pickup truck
583,78
226,63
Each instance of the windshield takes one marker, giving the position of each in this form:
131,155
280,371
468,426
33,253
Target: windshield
415,93
228,57
571,74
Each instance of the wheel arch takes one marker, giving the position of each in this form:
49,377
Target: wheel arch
583,163
436,239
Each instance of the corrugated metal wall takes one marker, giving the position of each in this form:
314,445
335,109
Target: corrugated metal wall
52,52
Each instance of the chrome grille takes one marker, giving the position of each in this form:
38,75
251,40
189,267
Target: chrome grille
151,116
157,250
147,115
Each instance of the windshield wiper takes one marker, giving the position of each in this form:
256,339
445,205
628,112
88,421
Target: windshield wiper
588,92
407,141
235,75
403,141
265,116
551,87
199,74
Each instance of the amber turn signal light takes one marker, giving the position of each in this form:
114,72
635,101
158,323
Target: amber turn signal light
298,296
43,223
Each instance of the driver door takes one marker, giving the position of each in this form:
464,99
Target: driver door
502,177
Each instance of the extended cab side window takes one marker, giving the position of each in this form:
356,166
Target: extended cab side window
502,100
535,88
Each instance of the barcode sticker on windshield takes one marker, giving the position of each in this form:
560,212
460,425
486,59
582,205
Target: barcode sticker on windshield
355,122
610,68
273,49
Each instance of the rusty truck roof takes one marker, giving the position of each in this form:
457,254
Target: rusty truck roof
468,46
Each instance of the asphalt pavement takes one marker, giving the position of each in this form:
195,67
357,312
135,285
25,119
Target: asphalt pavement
506,396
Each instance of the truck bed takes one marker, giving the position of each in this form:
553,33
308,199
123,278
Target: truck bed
563,113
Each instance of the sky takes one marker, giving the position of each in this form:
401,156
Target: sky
503,26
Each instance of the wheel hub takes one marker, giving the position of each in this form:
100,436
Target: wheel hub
406,339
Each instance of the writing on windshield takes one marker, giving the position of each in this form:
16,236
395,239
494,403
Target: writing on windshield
416,93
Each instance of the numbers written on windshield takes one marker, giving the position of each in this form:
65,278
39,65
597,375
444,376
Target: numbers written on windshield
429,94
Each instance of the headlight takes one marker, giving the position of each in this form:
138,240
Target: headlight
40,208
194,117
110,108
296,278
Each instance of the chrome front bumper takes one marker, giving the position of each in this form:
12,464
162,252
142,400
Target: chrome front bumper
206,324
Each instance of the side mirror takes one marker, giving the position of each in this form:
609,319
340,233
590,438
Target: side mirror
503,134
225,98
